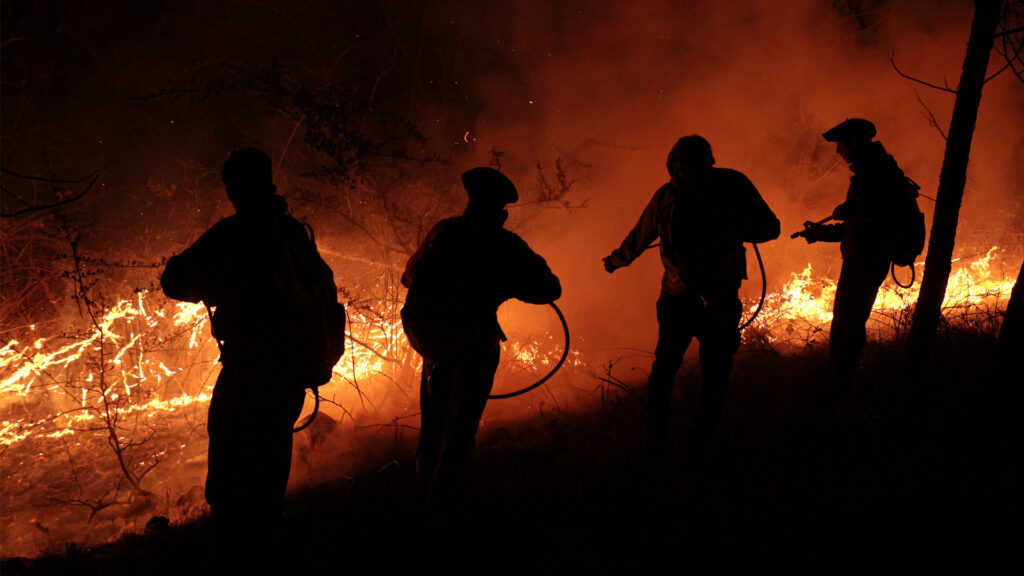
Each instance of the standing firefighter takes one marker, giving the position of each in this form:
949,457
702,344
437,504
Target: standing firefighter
702,216
466,267
275,316
876,203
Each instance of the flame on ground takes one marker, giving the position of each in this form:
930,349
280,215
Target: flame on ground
125,398
802,310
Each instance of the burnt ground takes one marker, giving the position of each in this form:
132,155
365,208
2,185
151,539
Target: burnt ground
915,475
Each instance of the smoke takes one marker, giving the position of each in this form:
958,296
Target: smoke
156,97
612,85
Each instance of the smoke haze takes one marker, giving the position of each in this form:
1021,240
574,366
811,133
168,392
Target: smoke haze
155,95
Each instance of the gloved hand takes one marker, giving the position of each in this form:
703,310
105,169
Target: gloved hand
608,265
813,232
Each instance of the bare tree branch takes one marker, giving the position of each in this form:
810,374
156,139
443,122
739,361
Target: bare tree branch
48,206
1009,32
892,60
929,115
1007,45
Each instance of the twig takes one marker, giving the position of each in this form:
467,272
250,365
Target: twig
48,206
929,115
892,60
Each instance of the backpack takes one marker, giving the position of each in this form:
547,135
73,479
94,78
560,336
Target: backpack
315,330
908,236
297,333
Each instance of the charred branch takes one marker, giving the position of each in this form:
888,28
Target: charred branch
35,208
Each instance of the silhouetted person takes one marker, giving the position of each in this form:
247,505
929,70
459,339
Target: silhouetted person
702,216
867,220
465,268
246,268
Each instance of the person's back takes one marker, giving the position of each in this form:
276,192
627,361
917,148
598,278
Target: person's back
249,268
712,215
257,270
465,268
702,218
469,270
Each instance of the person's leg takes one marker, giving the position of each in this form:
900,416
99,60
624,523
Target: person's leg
435,398
250,429
856,291
676,328
719,338
471,383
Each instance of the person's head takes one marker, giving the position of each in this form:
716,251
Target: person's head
852,136
689,157
489,191
248,176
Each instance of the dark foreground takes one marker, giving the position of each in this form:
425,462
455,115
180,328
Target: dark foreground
913,476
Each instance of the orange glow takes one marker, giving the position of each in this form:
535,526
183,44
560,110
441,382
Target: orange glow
146,370
803,308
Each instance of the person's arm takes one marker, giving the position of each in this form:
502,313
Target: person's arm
421,252
532,280
189,275
814,232
759,222
640,237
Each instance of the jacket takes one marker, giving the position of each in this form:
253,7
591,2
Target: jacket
875,203
464,270
702,225
257,269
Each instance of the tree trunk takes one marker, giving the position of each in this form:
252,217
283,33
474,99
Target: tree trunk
951,182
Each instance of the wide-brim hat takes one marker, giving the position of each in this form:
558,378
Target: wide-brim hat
489,186
851,129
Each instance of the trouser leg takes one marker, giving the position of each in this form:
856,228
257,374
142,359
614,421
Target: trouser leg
676,327
855,294
471,383
434,392
719,338
250,428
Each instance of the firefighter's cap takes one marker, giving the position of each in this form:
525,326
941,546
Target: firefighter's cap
851,130
488,186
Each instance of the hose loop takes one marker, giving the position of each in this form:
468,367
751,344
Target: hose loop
565,354
913,275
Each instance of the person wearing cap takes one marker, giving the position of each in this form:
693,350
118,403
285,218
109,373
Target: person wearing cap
866,221
243,268
702,216
463,271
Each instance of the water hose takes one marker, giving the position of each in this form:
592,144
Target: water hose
913,275
316,410
764,288
565,354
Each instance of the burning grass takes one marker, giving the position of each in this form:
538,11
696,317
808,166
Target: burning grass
105,426
912,477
